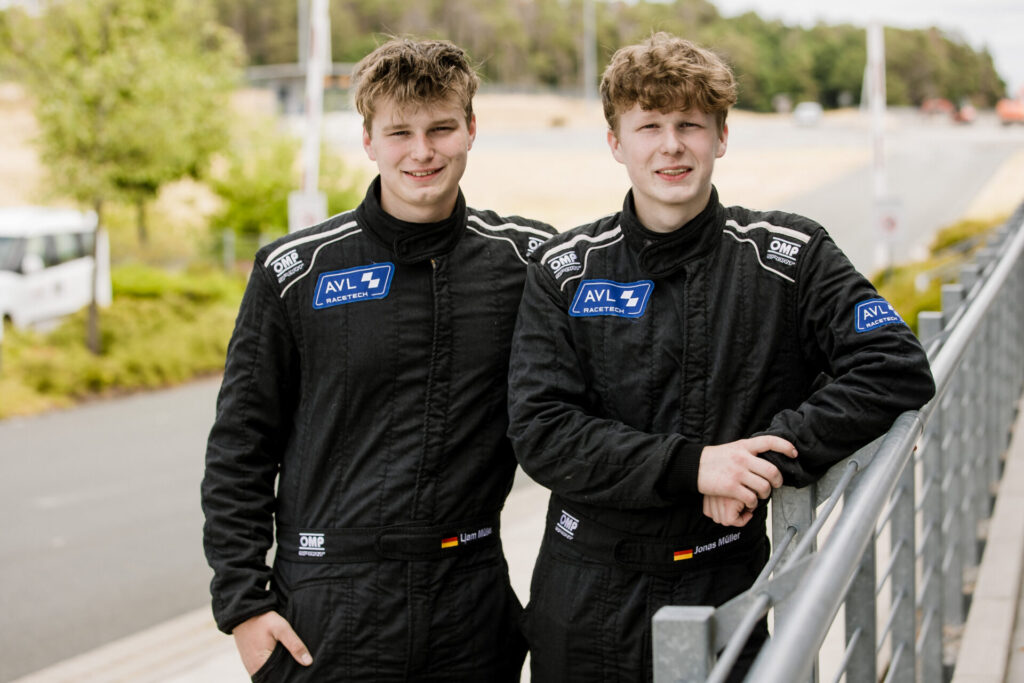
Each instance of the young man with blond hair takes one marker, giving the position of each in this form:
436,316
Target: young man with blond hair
363,413
672,364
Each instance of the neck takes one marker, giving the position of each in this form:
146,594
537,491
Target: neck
665,219
434,213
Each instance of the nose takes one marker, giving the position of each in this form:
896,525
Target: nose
670,141
422,150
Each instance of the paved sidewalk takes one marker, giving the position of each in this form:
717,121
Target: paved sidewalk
992,648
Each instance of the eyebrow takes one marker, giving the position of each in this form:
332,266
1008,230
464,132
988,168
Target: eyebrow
451,121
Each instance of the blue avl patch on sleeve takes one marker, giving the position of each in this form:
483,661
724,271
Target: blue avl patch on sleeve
354,284
604,297
875,313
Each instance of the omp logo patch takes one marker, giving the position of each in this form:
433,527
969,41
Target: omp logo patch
567,525
286,265
783,251
311,544
566,263
604,297
355,284
532,244
875,313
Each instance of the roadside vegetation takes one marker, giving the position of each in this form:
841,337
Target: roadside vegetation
917,286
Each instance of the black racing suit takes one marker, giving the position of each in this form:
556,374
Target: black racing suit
632,352
366,377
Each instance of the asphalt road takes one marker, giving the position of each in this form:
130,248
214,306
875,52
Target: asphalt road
101,523
934,169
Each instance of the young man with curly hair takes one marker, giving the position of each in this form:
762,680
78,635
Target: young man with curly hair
672,364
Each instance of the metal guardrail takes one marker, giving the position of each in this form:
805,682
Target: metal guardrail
913,505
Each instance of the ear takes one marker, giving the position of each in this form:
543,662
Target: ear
368,145
615,146
472,132
723,140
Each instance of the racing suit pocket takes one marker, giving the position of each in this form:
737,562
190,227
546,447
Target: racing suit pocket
319,610
264,674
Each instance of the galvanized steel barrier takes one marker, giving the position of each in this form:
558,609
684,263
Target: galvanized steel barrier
901,556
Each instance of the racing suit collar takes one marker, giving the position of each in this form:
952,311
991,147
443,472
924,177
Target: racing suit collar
410,242
662,254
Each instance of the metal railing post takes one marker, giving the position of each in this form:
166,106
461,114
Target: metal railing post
683,644
902,582
929,325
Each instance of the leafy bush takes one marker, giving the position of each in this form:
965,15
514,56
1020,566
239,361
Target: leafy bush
162,329
915,287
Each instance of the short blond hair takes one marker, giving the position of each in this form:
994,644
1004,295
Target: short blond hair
414,72
665,72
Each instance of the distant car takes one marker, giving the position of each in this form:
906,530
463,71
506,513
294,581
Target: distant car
1010,111
937,105
965,113
807,114
46,263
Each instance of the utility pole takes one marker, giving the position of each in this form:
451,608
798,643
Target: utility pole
589,50
887,208
308,206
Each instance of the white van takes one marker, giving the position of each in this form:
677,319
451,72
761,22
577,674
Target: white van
46,263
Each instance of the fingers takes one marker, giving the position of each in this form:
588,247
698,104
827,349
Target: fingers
727,511
768,442
287,636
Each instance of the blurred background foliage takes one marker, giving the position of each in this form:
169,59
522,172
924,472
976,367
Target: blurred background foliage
538,43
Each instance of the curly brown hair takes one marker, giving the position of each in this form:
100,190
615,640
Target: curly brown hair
412,73
665,72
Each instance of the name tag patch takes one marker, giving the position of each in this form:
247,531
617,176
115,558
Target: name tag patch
875,313
604,297
354,284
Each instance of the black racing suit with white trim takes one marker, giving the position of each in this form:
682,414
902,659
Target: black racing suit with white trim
367,377
737,324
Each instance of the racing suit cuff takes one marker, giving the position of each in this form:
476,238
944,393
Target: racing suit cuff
679,477
793,472
226,623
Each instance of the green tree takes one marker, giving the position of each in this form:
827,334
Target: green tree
257,173
129,94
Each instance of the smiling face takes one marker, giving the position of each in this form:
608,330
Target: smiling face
421,153
670,156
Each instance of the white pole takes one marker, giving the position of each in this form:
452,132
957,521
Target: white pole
876,98
886,208
589,51
309,206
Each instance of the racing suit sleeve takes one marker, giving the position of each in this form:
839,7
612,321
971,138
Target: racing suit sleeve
559,443
878,367
243,454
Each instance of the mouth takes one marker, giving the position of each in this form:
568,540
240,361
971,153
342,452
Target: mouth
424,173
674,172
